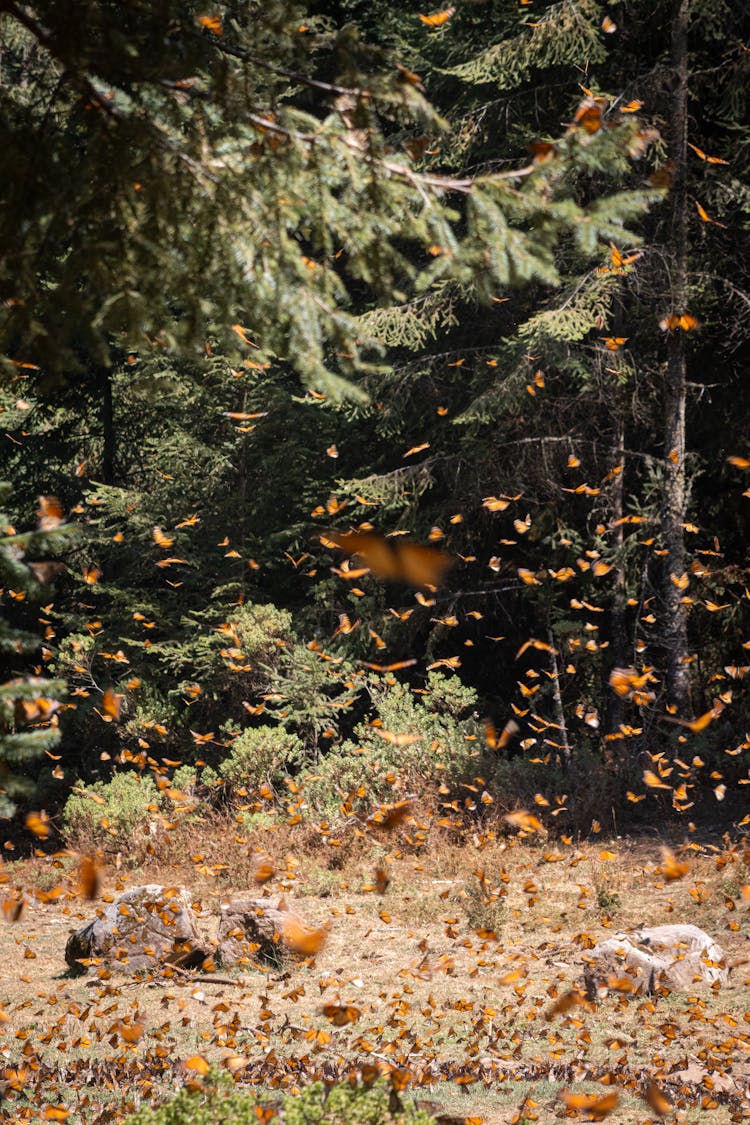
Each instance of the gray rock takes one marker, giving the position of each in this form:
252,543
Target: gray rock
679,958
145,927
249,928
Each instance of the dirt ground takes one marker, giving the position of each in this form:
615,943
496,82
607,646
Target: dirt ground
447,980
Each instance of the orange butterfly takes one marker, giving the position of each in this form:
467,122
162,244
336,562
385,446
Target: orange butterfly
264,869
671,866
437,19
38,823
626,683
399,664
393,559
656,1100
111,702
589,114
341,1014
699,724
50,513
161,539
523,820
301,938
197,1063
499,741
381,880
682,320
88,878
592,1104
703,156
390,816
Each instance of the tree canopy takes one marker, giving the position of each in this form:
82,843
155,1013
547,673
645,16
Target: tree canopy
382,344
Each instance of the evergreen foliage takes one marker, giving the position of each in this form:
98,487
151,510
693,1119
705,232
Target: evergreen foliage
429,739
218,179
28,703
117,813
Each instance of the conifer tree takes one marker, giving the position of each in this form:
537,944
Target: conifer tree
619,399
240,169
674,503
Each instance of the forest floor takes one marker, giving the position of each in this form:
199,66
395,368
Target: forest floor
449,991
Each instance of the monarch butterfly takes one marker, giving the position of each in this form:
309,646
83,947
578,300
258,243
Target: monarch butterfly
437,19
395,559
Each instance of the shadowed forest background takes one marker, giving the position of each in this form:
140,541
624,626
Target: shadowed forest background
374,421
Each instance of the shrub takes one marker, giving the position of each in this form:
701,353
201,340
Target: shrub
259,755
220,1104
256,821
218,662
313,694
185,779
484,907
130,800
448,695
238,660
444,747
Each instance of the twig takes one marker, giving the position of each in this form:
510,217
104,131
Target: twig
205,978
163,979
327,87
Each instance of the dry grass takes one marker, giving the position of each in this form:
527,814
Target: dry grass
434,996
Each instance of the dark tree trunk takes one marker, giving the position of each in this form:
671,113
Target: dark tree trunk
106,414
618,644
674,500
557,703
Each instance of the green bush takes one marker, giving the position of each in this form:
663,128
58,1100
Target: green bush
219,1103
446,747
216,661
130,800
264,631
447,695
312,694
185,779
238,661
258,755
349,1105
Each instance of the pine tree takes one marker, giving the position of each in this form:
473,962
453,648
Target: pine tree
217,179
621,389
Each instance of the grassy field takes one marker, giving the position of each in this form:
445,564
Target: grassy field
450,975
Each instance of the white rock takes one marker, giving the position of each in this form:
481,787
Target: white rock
678,957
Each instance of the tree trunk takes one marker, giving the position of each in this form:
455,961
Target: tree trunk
618,643
557,704
618,656
674,500
106,414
